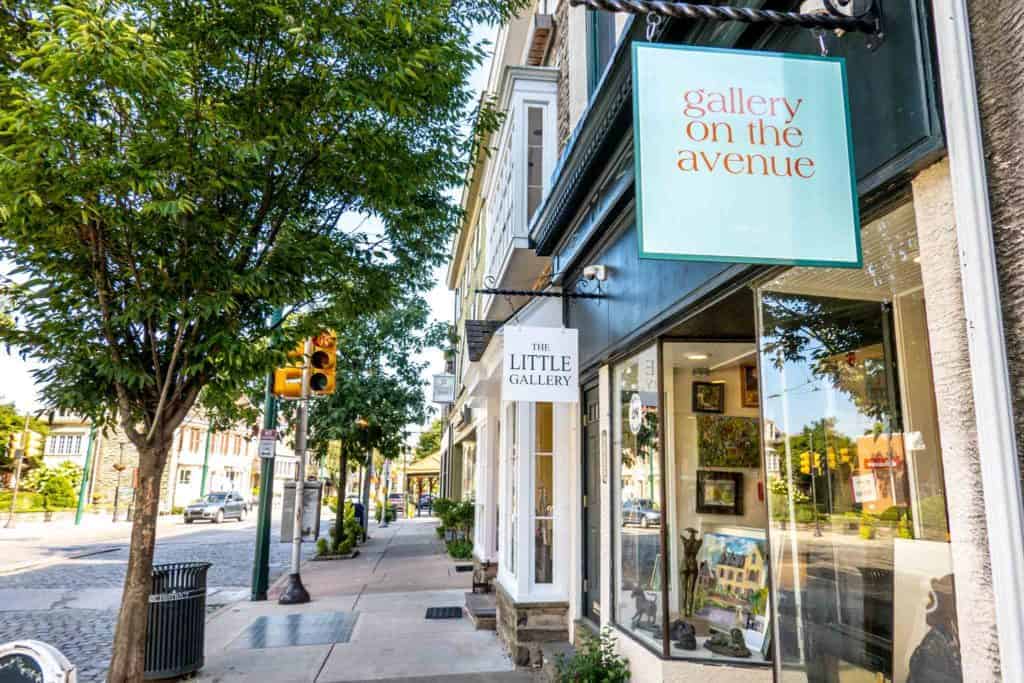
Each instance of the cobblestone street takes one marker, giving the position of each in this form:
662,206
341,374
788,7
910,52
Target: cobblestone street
85,635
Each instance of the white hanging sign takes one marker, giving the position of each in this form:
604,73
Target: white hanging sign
864,488
444,388
540,364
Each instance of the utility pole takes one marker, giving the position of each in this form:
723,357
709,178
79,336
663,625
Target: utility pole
261,559
19,457
206,460
295,593
83,489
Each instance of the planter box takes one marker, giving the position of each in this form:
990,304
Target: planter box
323,558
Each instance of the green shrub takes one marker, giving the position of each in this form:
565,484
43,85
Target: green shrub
58,493
344,548
177,510
440,531
892,514
28,501
460,549
37,478
390,512
321,546
332,503
595,660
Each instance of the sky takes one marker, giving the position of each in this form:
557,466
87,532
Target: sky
18,386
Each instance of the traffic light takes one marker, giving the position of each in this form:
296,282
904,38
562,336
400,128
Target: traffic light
288,380
805,463
831,459
323,363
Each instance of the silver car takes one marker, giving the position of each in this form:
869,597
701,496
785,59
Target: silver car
217,507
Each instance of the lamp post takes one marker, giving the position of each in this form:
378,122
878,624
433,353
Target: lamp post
119,467
261,559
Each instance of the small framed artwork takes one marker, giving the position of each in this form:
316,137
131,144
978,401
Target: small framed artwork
708,397
749,389
719,493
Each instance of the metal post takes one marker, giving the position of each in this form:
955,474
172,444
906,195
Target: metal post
367,473
814,487
84,488
206,461
119,467
261,556
19,457
295,593
387,492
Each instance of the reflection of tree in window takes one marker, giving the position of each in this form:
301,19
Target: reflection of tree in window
839,340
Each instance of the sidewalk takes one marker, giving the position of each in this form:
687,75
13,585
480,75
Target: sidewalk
365,621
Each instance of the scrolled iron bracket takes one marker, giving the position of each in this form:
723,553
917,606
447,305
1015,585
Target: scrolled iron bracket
832,17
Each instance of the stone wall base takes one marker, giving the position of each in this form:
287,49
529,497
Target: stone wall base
524,627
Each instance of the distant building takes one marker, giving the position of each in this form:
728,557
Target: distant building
230,457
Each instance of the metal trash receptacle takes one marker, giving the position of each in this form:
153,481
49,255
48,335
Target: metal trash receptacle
176,627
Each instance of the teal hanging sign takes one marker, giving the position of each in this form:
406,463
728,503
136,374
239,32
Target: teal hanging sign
743,157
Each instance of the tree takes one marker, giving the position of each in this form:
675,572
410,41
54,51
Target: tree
430,440
377,381
173,172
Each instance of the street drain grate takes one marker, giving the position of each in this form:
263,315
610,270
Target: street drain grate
463,567
287,630
444,613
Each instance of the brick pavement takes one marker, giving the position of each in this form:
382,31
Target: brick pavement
85,635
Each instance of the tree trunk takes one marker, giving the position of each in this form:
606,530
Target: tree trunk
127,661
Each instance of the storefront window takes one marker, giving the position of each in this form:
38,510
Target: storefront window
637,499
861,570
543,494
717,514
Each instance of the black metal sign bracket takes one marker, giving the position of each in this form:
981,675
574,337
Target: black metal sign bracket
841,16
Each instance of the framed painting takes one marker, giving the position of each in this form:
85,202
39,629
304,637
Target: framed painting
749,389
727,441
709,397
719,493
732,586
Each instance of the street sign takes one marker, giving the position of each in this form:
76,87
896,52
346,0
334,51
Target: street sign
268,440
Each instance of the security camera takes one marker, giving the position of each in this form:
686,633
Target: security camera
599,273
849,8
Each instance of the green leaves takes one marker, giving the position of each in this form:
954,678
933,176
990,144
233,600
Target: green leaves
172,172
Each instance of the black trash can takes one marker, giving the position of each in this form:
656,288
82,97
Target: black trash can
176,627
360,512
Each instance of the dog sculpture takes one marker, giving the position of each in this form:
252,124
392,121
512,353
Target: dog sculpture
644,608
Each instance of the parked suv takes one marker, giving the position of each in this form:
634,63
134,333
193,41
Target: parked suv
217,507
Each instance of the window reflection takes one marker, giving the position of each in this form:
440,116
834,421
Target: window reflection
638,581
862,582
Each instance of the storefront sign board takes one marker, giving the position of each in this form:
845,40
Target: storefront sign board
744,157
444,388
540,364
864,488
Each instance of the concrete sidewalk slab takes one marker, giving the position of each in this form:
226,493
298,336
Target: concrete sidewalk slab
400,572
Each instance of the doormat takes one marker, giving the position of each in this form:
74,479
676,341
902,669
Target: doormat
444,613
287,630
463,567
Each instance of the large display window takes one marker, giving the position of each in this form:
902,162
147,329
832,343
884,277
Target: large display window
862,581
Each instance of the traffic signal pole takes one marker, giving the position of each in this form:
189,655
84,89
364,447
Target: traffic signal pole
294,592
206,460
84,487
261,560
